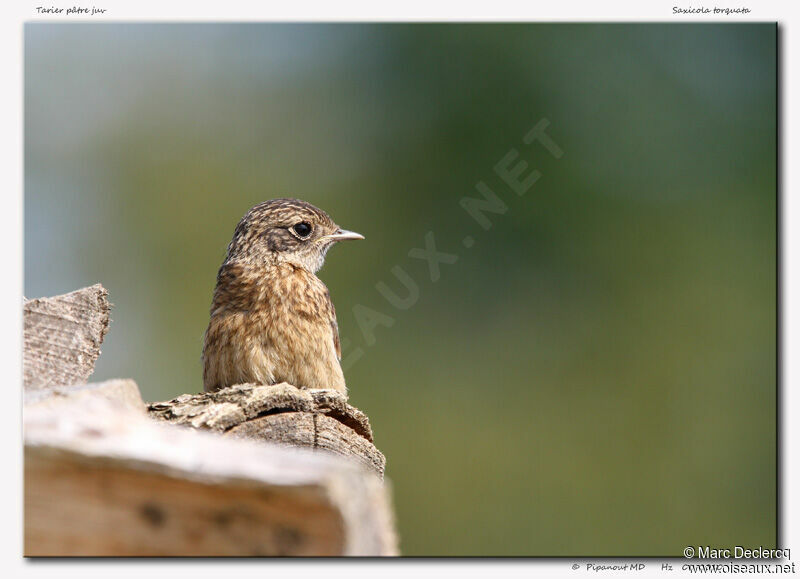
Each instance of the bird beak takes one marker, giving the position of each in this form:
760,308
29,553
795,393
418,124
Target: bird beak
343,235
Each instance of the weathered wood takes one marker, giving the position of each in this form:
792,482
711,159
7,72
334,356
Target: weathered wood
314,431
319,419
101,478
62,337
121,392
104,479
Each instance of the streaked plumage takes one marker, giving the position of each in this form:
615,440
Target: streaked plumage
272,319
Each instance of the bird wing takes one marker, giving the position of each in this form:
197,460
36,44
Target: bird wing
314,303
334,327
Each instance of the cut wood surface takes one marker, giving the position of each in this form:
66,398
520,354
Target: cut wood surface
319,419
101,478
62,337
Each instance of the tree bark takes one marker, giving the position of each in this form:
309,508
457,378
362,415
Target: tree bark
319,419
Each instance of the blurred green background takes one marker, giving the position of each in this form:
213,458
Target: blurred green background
595,376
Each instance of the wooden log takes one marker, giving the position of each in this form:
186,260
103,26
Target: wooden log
62,337
318,419
120,392
103,479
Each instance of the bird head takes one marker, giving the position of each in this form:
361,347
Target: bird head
286,230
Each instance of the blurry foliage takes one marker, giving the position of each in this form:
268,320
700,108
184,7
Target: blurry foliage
596,376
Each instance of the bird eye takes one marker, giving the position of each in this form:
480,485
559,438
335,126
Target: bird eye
302,229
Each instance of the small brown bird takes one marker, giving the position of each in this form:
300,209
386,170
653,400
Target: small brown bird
272,319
